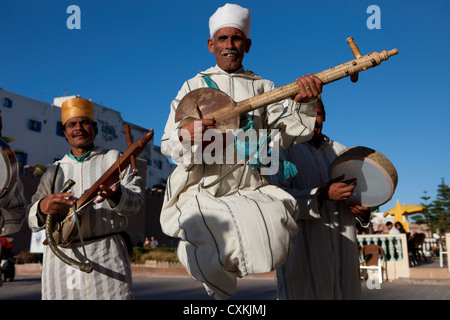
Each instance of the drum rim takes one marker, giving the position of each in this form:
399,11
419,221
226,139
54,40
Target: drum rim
342,157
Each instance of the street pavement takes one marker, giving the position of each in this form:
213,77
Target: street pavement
27,287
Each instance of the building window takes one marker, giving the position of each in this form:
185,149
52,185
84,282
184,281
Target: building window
158,164
34,125
21,159
7,103
109,130
59,131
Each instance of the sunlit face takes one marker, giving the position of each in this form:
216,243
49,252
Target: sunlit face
229,46
80,132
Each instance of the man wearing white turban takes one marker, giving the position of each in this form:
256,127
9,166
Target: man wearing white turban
230,15
241,225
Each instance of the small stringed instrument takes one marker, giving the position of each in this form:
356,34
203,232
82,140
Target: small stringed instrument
206,103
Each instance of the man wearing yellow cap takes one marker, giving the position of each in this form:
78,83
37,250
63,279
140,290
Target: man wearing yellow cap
242,224
102,222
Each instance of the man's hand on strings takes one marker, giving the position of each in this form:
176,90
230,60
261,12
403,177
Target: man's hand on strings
310,87
106,192
53,203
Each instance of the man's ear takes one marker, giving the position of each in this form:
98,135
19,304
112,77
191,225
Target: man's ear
94,125
248,44
210,44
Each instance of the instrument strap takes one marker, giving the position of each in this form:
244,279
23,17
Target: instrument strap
79,229
52,188
118,168
210,82
242,148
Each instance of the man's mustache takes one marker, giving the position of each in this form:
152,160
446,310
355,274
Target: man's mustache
229,51
80,133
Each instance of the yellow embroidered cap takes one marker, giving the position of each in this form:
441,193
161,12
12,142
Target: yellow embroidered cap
77,107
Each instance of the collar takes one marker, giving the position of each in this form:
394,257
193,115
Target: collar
241,72
238,71
323,142
82,158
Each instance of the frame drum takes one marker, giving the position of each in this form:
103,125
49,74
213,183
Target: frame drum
376,175
8,168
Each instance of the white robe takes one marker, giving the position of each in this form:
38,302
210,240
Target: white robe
12,209
242,225
111,278
324,263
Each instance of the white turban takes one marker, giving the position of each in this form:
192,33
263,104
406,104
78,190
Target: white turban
230,15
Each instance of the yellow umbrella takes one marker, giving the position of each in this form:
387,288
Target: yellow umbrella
400,212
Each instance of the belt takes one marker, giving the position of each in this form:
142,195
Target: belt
96,237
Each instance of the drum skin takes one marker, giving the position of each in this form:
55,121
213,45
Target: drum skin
376,175
200,103
9,170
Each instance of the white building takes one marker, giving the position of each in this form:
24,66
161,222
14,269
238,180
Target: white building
35,126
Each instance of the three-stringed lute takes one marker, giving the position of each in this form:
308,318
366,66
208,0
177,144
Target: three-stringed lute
207,103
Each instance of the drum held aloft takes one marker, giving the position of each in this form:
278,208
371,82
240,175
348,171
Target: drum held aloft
376,175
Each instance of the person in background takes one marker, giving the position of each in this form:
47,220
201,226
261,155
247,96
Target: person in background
12,201
380,229
147,243
324,263
391,229
154,243
399,226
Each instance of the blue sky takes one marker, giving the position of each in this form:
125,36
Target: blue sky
133,56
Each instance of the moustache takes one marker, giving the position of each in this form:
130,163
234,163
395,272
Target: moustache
80,133
229,51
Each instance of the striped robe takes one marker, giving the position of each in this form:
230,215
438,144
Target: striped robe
12,209
242,225
111,278
324,263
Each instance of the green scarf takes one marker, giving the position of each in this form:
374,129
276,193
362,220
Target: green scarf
80,159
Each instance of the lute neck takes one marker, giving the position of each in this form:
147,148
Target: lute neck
291,90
